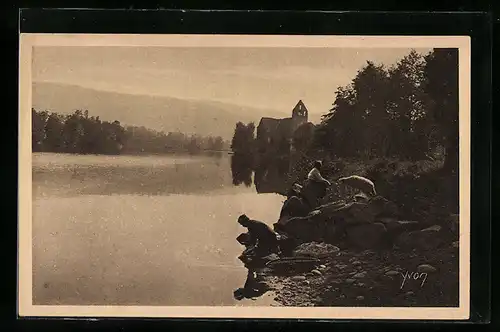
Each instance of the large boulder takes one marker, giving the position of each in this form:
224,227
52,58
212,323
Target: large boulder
301,228
313,192
362,212
352,213
331,207
294,207
384,207
366,236
425,239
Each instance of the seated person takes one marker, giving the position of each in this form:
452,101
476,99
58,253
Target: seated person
316,185
294,206
315,174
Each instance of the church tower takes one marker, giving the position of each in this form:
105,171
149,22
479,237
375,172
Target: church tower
299,112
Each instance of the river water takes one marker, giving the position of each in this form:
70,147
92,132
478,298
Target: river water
141,230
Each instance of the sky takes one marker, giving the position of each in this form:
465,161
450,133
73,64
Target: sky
266,78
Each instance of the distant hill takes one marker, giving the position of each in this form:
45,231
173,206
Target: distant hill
159,113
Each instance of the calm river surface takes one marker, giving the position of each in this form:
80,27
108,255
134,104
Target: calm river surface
140,230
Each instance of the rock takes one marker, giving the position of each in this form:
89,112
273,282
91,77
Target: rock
455,244
340,266
397,226
387,220
271,257
366,236
360,298
362,213
334,281
383,207
360,284
410,293
454,222
360,275
315,213
306,282
313,192
392,273
331,208
426,239
342,296
302,228
316,272
390,209
361,197
294,207
317,249
354,212
322,266
368,252
434,228
356,263
426,268
293,264
350,281
298,278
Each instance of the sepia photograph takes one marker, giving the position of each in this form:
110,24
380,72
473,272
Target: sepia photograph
244,176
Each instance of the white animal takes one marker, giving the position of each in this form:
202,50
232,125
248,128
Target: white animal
358,182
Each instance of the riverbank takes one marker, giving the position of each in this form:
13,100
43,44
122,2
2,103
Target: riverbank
372,279
408,258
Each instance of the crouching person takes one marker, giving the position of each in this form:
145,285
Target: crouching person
260,235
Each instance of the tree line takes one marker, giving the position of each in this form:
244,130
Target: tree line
80,133
406,111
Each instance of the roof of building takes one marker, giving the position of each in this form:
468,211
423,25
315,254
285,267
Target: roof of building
269,123
300,107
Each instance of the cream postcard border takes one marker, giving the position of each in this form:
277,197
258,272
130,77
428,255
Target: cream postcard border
25,305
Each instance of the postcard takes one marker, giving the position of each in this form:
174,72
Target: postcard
244,176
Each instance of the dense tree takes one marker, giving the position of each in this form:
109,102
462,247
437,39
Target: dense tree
303,136
441,83
403,111
54,133
39,119
243,141
80,133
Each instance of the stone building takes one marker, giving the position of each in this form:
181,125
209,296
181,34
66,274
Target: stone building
275,135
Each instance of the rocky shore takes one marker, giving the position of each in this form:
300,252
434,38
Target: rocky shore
369,278
358,251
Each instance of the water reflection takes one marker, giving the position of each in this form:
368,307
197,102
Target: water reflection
241,169
269,176
76,175
253,287
92,214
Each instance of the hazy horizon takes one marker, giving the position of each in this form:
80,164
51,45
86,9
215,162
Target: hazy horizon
269,79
